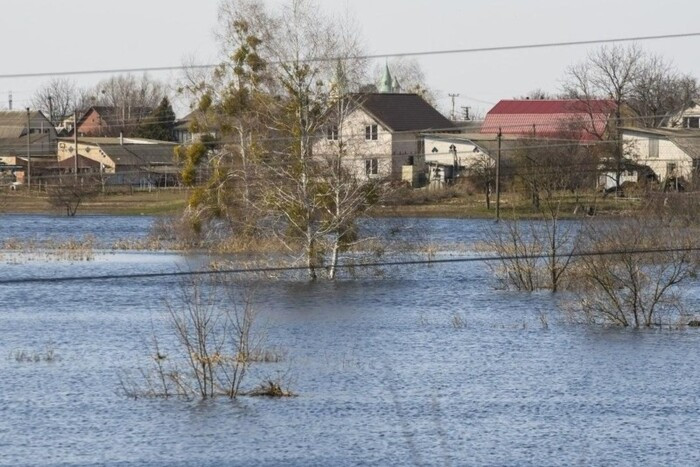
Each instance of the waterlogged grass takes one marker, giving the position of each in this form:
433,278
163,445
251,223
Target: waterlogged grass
16,251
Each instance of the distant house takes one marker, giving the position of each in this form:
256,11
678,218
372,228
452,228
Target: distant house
559,118
688,117
124,161
451,155
185,128
111,121
22,137
384,134
670,153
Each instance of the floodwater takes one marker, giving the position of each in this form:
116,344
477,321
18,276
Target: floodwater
383,376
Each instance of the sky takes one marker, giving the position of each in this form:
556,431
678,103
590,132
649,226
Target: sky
52,36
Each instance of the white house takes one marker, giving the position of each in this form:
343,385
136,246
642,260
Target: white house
670,153
446,155
382,134
689,117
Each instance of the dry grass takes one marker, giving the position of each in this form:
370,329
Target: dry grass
47,355
16,251
270,388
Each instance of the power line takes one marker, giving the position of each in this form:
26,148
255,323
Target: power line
360,57
574,254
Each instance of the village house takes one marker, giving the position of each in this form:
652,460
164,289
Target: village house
383,134
27,144
111,121
688,117
185,129
381,131
122,161
573,119
669,153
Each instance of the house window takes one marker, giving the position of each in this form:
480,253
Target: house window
653,148
409,161
332,133
671,169
371,132
372,167
691,122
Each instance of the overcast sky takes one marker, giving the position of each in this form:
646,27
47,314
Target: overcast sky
50,35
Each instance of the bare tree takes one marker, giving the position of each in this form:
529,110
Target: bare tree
482,172
636,82
609,72
133,99
68,192
659,91
215,341
57,99
631,287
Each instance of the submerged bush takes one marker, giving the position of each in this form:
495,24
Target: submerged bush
212,342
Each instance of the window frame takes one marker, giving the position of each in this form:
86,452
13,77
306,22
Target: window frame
692,122
372,167
332,133
653,150
371,132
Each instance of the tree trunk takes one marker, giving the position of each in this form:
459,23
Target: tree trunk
310,260
334,259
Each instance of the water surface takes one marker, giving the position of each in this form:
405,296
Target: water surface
382,375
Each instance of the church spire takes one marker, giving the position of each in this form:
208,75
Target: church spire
339,85
386,85
396,86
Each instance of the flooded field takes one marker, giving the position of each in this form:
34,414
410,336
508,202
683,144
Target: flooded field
383,372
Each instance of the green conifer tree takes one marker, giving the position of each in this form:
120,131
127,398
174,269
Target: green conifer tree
159,124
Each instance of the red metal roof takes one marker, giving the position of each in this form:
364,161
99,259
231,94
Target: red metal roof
577,119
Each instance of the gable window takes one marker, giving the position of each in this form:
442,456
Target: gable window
371,132
372,167
332,133
691,122
653,148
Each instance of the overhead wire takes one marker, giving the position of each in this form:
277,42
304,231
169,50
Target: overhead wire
542,45
442,261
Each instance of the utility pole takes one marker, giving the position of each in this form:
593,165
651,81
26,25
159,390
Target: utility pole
75,145
10,100
453,96
466,110
29,153
50,99
498,177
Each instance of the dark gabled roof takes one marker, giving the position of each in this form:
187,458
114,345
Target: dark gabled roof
13,123
140,154
403,112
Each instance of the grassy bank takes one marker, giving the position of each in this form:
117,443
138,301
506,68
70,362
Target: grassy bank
157,202
447,203
512,204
